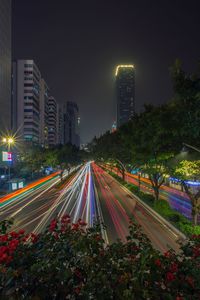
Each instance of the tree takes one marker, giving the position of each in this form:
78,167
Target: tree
157,170
187,170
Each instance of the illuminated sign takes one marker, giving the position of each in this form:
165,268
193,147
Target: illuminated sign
20,185
14,186
6,156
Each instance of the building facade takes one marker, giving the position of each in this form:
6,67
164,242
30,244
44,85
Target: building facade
26,100
60,121
125,93
5,66
52,122
71,124
44,97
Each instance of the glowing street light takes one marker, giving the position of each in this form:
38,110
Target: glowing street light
8,140
189,146
11,140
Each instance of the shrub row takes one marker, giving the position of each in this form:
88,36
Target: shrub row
71,261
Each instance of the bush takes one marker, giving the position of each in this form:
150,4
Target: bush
189,229
69,261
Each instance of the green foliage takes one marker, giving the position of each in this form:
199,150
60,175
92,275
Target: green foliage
33,159
188,229
186,169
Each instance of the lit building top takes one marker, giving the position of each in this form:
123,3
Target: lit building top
123,66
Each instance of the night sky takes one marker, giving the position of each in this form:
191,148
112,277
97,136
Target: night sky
77,44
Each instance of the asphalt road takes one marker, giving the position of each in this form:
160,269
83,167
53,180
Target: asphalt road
87,196
118,206
33,210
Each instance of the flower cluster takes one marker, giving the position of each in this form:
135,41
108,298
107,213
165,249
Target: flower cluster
71,261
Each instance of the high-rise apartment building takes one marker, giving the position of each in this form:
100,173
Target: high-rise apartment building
26,100
71,124
60,122
5,65
44,97
52,122
125,93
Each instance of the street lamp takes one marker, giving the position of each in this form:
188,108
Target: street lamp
189,146
9,140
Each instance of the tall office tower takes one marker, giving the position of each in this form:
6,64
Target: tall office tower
52,121
5,66
71,124
125,93
44,97
60,122
26,99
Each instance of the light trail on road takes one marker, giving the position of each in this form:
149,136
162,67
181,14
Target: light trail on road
34,209
178,200
119,205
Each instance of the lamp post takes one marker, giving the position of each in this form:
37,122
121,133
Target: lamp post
8,141
192,147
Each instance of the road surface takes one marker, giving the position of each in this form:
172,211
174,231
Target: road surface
33,210
118,206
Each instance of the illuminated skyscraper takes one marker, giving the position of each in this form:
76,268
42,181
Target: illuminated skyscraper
71,124
125,93
5,65
26,100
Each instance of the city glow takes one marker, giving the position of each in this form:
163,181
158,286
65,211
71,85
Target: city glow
123,66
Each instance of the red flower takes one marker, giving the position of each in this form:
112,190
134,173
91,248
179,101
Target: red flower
14,234
75,226
98,237
158,262
65,219
135,248
3,249
9,259
77,290
34,238
25,238
167,254
170,276
78,273
195,236
53,225
173,267
3,257
13,244
196,252
22,231
82,223
3,238
55,235
190,280
179,298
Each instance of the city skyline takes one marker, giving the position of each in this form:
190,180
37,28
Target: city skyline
86,41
